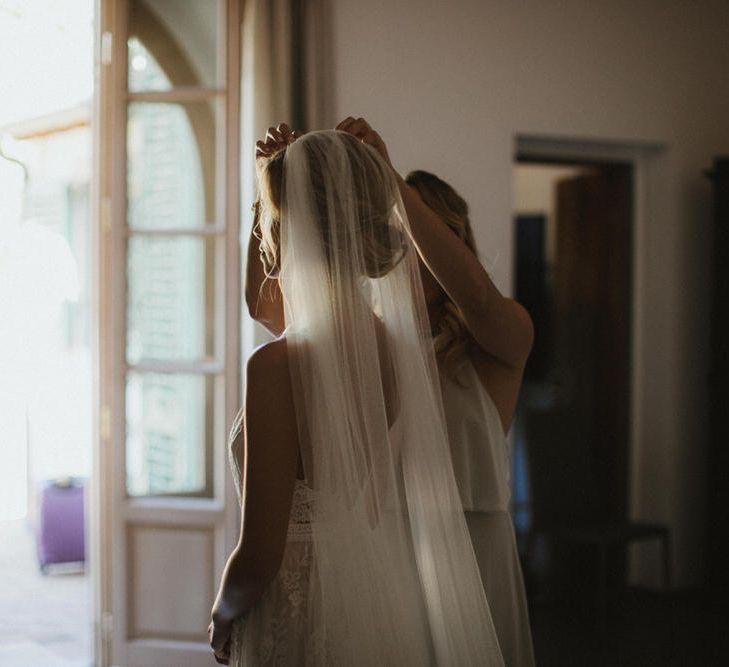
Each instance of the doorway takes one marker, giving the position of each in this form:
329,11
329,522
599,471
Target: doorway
573,259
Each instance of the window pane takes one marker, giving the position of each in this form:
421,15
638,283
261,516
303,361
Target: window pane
144,70
170,299
171,165
172,43
169,429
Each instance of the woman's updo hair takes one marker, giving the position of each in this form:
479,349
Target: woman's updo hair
374,196
451,338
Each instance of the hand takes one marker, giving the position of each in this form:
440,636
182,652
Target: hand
220,642
277,138
361,129
219,637
221,627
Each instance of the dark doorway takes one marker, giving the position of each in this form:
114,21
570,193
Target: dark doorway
573,231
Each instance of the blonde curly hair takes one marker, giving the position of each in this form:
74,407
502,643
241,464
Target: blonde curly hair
452,340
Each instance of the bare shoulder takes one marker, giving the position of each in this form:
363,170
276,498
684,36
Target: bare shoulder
269,362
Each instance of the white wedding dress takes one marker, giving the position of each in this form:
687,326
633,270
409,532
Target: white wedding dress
481,462
277,631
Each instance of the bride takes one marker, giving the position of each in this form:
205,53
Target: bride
354,548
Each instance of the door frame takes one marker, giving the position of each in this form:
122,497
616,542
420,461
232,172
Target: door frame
108,549
648,163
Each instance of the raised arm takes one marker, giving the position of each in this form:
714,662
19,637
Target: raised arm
501,326
263,296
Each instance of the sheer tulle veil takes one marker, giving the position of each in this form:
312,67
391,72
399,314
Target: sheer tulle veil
395,580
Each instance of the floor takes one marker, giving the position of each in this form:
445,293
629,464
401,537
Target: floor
45,620
642,629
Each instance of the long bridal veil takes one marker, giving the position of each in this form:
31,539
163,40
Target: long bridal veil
395,579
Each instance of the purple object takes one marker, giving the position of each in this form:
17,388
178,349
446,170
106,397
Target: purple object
60,537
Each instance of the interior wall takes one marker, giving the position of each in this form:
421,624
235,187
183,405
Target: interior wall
451,84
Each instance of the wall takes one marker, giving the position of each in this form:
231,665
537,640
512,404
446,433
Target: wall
450,85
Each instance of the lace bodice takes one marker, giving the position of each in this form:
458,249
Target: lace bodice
301,507
278,630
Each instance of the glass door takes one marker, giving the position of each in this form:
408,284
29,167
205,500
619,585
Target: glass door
169,276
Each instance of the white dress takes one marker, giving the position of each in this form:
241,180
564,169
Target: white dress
277,631
481,464
280,630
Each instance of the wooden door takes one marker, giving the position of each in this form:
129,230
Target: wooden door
717,580
592,279
169,298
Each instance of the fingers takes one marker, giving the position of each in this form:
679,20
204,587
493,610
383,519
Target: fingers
276,139
359,127
282,134
371,138
273,135
344,124
220,642
362,130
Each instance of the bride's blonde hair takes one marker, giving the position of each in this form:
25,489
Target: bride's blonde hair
383,245
452,340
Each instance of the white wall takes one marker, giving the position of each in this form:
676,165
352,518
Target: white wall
451,84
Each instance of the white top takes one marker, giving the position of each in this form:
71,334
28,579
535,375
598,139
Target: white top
479,448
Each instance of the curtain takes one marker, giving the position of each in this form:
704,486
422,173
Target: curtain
285,78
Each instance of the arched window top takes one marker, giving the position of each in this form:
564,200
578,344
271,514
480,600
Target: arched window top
145,73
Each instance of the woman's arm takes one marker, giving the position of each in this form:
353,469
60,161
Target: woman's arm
501,326
270,461
263,295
